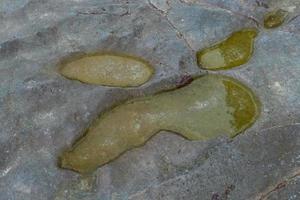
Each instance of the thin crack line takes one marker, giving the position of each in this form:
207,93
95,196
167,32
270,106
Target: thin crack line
179,34
203,3
293,18
279,126
156,8
280,185
165,16
101,13
183,176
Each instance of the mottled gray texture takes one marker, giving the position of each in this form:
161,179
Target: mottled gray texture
42,113
288,189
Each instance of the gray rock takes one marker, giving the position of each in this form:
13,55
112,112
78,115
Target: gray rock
288,189
42,113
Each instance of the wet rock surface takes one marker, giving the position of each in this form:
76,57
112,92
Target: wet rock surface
42,113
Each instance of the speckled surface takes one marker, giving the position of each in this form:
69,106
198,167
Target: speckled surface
42,113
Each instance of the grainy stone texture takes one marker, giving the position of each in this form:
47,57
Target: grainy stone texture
41,113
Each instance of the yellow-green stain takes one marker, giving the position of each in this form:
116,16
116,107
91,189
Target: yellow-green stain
241,99
234,51
275,18
210,106
109,70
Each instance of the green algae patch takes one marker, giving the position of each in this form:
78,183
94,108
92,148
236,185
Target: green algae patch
108,69
275,18
234,51
241,99
210,106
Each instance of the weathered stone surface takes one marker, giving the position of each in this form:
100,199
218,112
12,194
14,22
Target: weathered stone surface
288,189
41,113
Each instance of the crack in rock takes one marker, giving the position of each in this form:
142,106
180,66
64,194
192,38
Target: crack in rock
164,14
279,186
213,6
163,9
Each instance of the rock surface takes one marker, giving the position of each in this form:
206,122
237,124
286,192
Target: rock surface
42,113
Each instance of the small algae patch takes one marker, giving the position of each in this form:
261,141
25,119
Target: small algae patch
234,51
209,106
275,18
108,69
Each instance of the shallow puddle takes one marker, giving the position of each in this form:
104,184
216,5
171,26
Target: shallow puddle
275,18
234,51
209,106
109,70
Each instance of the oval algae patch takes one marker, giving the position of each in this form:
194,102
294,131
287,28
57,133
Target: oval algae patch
236,50
275,18
109,70
209,106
